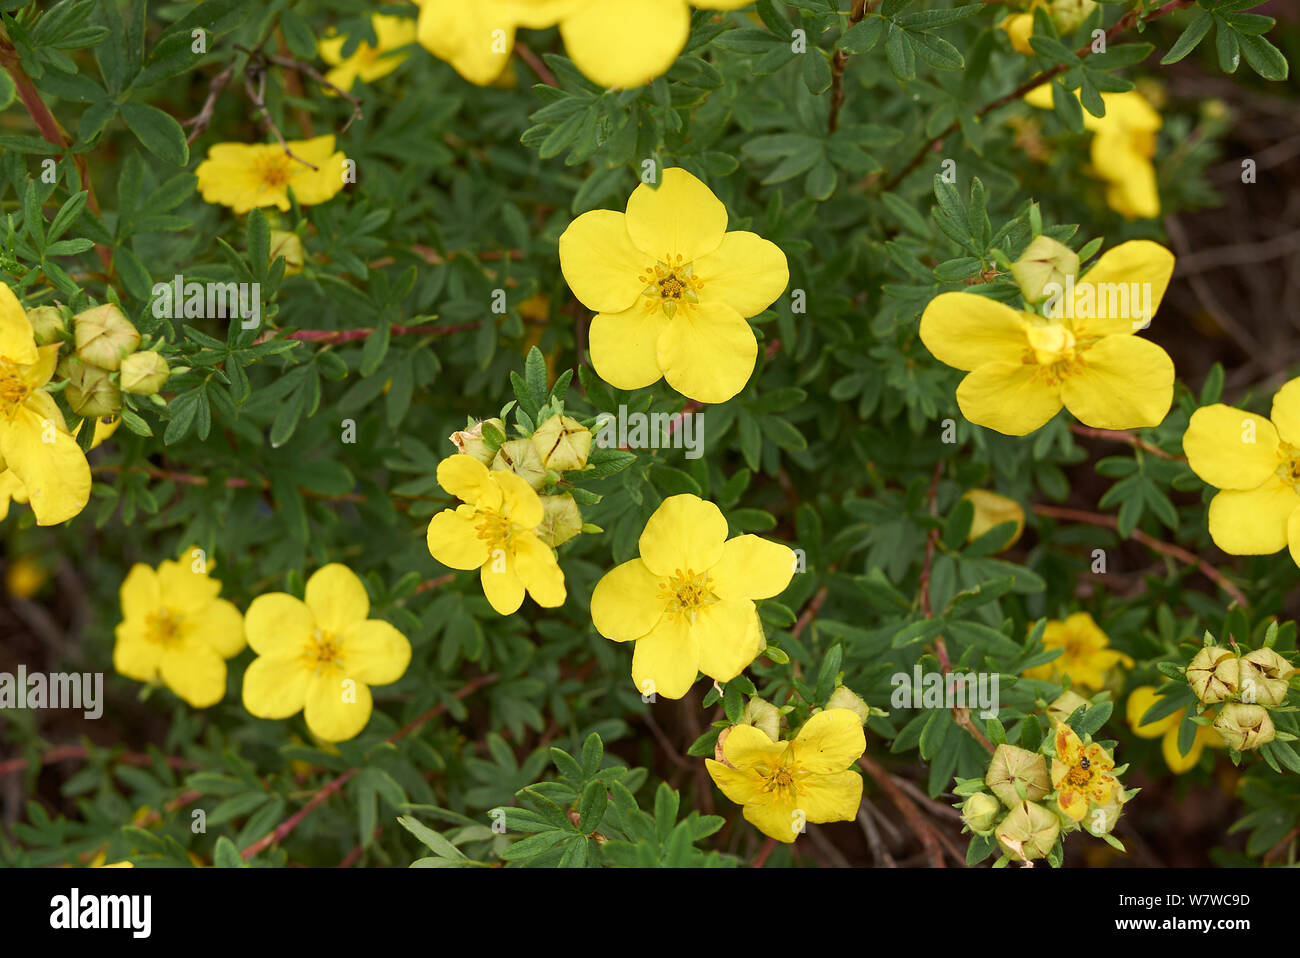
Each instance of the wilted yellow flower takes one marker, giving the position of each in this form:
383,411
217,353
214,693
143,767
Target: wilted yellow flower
992,509
783,785
287,245
672,289
1123,144
321,654
1087,655
368,63
175,630
1084,355
1081,774
1166,729
495,531
36,450
245,176
1029,831
1245,727
1256,465
688,600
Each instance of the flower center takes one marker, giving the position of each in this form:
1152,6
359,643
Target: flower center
322,650
13,390
275,171
782,778
670,283
687,592
162,627
1289,469
1051,343
1079,776
493,528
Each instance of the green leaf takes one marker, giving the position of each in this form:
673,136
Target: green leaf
1190,38
158,131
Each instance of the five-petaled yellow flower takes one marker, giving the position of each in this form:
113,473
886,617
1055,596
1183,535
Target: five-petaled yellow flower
1081,774
1086,655
368,63
672,289
688,601
495,531
175,630
1256,465
616,43
1123,144
40,461
1083,355
782,785
321,654
245,176
1166,729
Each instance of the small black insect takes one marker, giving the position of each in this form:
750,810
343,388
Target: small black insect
1084,763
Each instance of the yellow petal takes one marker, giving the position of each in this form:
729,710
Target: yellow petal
55,474
42,370
776,819
278,624
685,533
666,660
17,341
1292,534
1069,747
1111,281
625,604
601,265
728,637
830,741
539,571
680,221
275,686
740,785
628,43
475,38
183,588
140,592
1286,412
1132,189
1126,382
337,706
707,352
1009,397
830,797
624,347
374,652
1230,448
337,599
454,541
1176,760
1139,701
752,567
966,331
518,500
1073,803
219,626
746,272
134,655
1254,521
313,187
195,672
501,584
746,746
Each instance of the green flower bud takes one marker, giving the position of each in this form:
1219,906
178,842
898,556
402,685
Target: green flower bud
845,698
91,392
1012,764
1029,831
105,336
992,510
1265,678
562,443
286,245
520,457
1214,674
470,441
980,813
1044,262
143,374
1244,727
561,520
764,716
47,324
1064,706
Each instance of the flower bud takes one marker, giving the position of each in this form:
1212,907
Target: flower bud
1244,727
1068,15
143,374
91,392
764,716
1064,706
846,698
562,443
980,813
520,457
1012,764
1214,674
47,324
1043,263
1028,832
471,443
992,510
1019,27
561,520
286,245
105,336
1270,674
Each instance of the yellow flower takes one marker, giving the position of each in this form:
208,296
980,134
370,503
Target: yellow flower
1086,657
1084,355
1166,729
1256,465
44,465
495,531
672,289
1080,774
175,630
1123,143
1019,27
784,784
992,509
688,601
244,176
25,576
321,655
366,62
616,43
